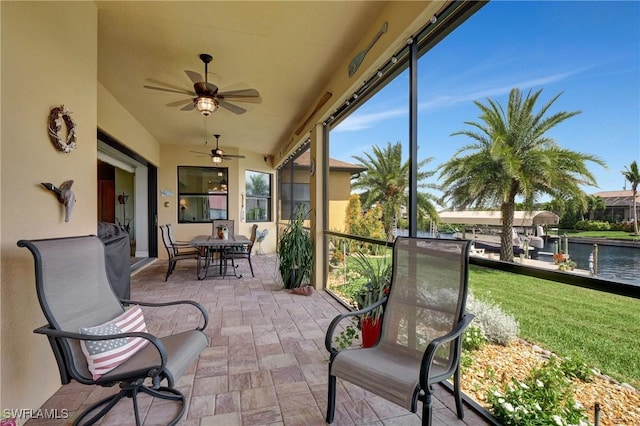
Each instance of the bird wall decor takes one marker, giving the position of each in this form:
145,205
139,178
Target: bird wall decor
65,196
260,236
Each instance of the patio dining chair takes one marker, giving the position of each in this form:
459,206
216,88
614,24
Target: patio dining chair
99,339
422,323
177,252
241,252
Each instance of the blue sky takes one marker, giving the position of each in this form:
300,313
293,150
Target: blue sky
588,51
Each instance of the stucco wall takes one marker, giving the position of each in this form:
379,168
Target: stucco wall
118,123
49,57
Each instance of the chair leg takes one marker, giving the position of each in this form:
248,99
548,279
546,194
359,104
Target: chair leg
426,408
106,403
132,390
169,269
251,266
457,394
331,398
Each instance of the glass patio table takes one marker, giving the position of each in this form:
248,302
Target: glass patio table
212,245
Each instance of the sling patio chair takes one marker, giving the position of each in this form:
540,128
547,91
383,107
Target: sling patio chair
177,252
241,252
99,339
423,320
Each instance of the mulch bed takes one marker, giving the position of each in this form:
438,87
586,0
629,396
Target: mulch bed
619,403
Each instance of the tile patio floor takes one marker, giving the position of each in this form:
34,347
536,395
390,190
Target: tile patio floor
266,363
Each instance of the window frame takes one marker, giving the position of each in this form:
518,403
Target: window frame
258,197
187,194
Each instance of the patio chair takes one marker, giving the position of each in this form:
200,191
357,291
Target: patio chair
177,253
99,339
180,247
422,323
243,252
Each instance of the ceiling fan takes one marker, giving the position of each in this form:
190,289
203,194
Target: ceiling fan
217,155
207,98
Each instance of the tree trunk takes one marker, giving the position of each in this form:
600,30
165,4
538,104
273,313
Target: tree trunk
506,240
635,213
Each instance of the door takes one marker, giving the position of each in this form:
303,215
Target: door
106,201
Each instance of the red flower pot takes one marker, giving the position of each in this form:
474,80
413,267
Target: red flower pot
370,331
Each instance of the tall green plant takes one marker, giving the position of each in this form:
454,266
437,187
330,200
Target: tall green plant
377,271
295,250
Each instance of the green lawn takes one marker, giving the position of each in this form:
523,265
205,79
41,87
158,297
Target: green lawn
603,329
621,235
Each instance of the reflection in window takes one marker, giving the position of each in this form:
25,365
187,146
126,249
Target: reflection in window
258,193
203,194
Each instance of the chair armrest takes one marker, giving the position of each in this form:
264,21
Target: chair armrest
328,340
430,352
162,351
203,311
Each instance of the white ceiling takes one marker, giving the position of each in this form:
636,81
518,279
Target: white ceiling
288,51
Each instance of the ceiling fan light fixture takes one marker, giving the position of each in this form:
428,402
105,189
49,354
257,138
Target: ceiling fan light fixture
215,159
206,105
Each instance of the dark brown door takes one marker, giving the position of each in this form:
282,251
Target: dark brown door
107,201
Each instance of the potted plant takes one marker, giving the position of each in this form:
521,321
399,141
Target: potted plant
295,251
377,271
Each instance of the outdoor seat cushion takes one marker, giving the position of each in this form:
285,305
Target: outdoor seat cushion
387,372
182,349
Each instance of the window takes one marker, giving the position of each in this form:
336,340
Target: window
203,194
293,182
258,193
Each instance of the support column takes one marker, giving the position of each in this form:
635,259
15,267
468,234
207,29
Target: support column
316,182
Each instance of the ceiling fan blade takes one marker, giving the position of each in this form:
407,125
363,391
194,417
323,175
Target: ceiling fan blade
231,107
177,103
188,107
162,83
242,93
186,92
203,153
225,156
194,76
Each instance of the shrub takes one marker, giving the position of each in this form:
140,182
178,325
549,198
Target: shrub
545,397
497,326
473,338
575,367
592,225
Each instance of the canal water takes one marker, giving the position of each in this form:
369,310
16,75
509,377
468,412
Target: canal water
614,263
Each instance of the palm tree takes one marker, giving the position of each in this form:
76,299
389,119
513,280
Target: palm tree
512,156
258,185
387,181
633,176
594,203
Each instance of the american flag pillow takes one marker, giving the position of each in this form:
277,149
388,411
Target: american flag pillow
105,355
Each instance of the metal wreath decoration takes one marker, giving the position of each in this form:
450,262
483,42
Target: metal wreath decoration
57,117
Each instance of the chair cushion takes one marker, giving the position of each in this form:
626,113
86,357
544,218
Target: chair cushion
105,355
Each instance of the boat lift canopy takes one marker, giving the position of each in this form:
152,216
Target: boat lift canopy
494,218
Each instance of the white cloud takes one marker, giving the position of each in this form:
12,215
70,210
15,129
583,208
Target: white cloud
361,121
445,101
358,121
